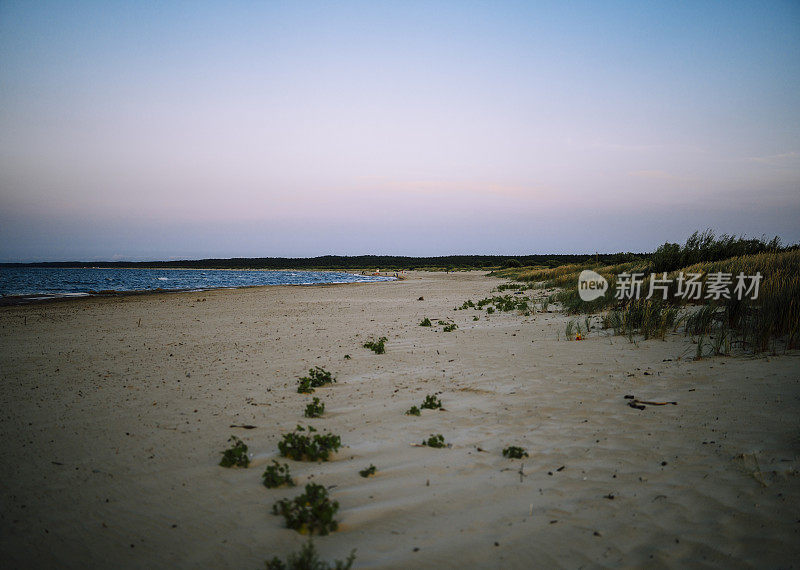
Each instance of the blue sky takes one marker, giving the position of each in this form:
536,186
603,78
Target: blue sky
187,130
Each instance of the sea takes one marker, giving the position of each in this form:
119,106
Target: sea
52,282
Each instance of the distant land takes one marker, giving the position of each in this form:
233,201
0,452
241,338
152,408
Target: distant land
337,262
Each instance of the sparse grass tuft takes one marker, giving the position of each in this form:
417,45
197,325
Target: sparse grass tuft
368,471
277,475
413,411
431,402
426,322
317,377
435,440
315,409
378,347
316,447
514,452
236,456
308,559
312,512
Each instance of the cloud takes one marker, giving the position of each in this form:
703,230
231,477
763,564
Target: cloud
791,158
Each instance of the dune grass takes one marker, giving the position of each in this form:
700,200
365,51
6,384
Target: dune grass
767,322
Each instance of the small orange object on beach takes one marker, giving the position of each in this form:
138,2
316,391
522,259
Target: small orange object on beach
578,337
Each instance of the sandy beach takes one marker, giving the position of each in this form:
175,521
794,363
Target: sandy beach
115,412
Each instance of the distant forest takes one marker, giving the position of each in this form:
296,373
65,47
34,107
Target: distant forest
699,247
361,262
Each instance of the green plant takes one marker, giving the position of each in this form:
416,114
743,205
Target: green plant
512,286
317,377
450,327
316,447
315,409
277,475
426,322
312,512
368,471
413,411
308,559
489,310
236,456
378,347
475,318
431,402
435,440
569,332
514,452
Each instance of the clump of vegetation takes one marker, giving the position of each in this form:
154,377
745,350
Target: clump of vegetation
316,447
431,402
308,559
413,411
315,409
467,304
512,286
312,512
505,303
435,440
378,347
236,456
649,317
514,452
368,471
317,377
450,327
426,322
704,246
277,475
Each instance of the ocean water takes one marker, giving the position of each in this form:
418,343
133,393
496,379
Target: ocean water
63,282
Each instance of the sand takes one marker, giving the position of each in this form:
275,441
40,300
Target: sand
115,412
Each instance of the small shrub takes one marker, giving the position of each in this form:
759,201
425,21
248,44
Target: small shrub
475,318
450,327
277,475
368,471
315,409
378,347
312,512
308,559
316,377
514,452
413,411
236,456
489,310
431,402
299,446
435,440
426,322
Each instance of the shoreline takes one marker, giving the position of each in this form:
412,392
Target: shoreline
37,298
116,410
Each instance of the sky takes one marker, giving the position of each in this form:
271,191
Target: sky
175,130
